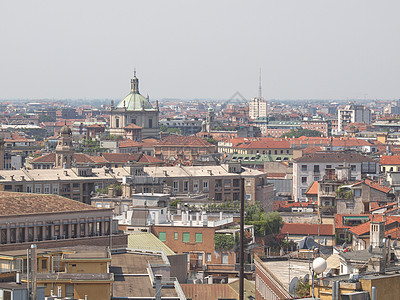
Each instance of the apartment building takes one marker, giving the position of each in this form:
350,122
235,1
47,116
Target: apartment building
317,166
257,108
195,235
353,114
75,272
26,218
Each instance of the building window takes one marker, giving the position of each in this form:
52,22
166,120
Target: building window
38,189
353,168
224,258
47,188
218,196
227,182
303,180
208,257
199,237
117,123
316,168
186,186
304,168
186,237
236,182
150,123
205,186
175,235
316,178
133,121
248,197
44,264
29,189
162,236
303,192
357,193
176,186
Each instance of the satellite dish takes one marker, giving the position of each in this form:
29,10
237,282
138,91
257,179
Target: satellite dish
306,278
319,265
310,243
294,283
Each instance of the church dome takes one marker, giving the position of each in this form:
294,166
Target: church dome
65,130
134,100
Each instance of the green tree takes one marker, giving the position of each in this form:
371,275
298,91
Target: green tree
223,242
302,132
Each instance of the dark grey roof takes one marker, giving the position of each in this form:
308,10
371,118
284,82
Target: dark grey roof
334,156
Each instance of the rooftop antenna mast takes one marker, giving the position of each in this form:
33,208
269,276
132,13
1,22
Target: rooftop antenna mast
259,86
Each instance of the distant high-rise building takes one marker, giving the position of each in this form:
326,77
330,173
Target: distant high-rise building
353,114
258,105
257,108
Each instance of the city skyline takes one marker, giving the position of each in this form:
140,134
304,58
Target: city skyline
306,50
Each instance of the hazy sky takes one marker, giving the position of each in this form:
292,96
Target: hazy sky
200,49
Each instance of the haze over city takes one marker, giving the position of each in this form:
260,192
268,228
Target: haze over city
200,49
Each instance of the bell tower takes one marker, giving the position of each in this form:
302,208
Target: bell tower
64,149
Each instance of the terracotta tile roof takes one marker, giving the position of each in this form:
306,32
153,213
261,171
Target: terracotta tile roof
186,141
390,160
375,185
349,142
265,145
149,143
340,217
149,159
208,291
12,204
132,126
313,189
47,158
365,228
334,156
79,158
129,143
307,229
118,157
312,149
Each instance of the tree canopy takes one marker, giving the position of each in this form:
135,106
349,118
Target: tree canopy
302,132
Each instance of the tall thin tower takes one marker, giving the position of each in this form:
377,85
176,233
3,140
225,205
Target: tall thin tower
259,86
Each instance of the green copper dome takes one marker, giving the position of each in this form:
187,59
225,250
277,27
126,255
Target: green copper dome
135,101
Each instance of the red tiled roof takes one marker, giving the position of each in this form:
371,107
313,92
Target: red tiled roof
149,143
149,159
118,157
313,189
265,145
132,126
187,141
374,185
312,149
129,143
339,219
307,229
390,160
349,142
365,228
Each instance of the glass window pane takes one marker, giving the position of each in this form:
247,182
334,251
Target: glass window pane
162,236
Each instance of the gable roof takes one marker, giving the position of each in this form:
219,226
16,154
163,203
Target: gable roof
333,157
390,160
313,189
307,229
374,185
17,204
